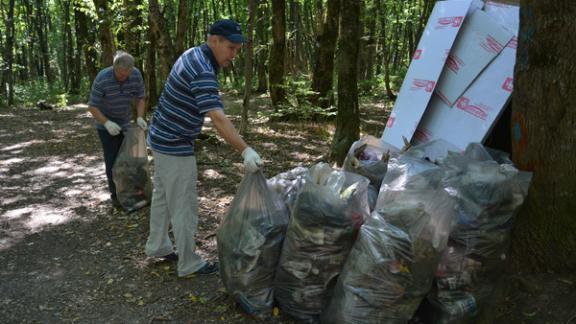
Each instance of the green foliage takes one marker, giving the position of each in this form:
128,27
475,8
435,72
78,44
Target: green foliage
27,94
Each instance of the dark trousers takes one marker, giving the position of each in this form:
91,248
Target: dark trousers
111,147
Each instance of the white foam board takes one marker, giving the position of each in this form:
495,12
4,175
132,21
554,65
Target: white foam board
427,62
478,43
475,112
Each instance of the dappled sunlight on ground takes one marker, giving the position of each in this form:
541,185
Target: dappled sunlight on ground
47,171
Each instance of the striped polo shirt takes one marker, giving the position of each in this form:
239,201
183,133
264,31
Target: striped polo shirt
114,98
189,93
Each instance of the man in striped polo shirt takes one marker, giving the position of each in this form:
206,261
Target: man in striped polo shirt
190,93
113,91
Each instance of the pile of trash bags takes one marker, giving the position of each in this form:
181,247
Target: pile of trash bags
131,172
430,242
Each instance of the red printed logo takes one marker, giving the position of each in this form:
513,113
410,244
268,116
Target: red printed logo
508,84
513,43
427,85
464,104
453,64
445,22
390,122
417,54
491,45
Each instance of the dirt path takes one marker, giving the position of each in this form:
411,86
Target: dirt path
67,256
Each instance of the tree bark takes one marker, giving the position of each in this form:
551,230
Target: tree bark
105,33
159,27
9,53
84,43
544,138
348,117
40,24
323,74
277,53
182,25
150,71
262,51
132,23
248,67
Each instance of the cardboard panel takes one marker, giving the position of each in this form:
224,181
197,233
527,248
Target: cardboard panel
475,112
480,40
421,79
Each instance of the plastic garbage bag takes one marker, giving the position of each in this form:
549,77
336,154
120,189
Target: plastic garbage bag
249,244
288,184
369,157
329,210
131,173
391,267
489,192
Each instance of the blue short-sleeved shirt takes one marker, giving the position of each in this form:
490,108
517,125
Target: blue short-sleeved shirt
189,93
114,98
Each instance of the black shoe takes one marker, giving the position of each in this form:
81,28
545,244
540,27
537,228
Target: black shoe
208,268
170,257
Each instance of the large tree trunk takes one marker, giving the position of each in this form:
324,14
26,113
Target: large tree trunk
132,23
277,53
262,52
9,53
182,25
544,137
41,26
159,27
106,35
150,71
248,67
322,77
348,117
84,43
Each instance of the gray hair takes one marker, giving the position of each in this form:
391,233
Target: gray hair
123,60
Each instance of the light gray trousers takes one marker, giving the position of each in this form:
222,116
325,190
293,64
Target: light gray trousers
174,200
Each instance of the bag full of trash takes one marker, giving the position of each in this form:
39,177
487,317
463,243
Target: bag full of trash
131,173
288,184
489,192
249,244
369,157
391,267
328,212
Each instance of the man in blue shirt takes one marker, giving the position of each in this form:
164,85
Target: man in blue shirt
113,91
190,93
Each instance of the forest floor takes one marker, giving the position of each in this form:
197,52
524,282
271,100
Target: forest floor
66,255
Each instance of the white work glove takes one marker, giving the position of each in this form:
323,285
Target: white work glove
112,128
252,161
142,123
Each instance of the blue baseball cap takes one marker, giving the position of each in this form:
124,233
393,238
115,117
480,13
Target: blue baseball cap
229,29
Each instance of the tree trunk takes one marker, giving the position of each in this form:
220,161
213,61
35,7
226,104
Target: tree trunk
9,53
40,24
85,41
348,117
262,51
132,23
322,77
182,25
277,53
105,32
159,27
248,67
150,71
543,138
